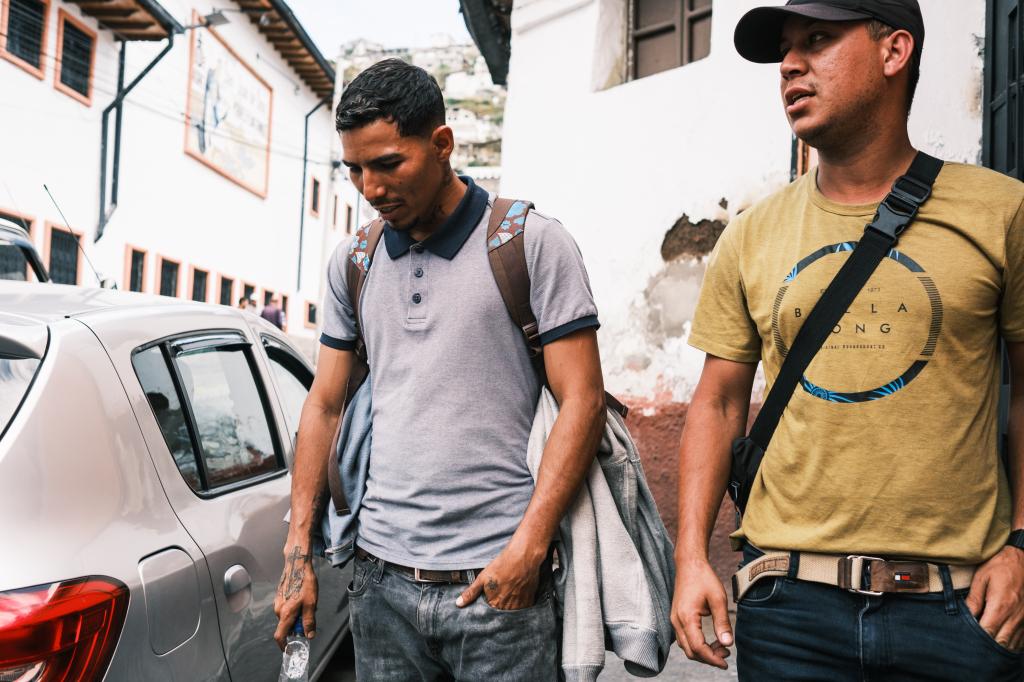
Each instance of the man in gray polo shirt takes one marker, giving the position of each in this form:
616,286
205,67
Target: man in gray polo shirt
454,396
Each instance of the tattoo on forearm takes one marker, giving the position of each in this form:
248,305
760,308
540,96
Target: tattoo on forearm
294,572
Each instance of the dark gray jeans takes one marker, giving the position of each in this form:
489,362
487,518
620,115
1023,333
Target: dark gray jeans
405,631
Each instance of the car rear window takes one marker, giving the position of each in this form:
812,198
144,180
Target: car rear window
15,378
12,262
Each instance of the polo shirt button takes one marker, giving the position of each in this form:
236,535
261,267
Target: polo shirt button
419,272
418,248
416,298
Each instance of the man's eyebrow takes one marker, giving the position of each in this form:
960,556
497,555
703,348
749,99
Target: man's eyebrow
386,158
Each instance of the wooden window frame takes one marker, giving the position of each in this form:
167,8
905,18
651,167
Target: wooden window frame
305,316
40,72
679,25
128,249
191,282
30,275
158,275
232,301
314,197
62,17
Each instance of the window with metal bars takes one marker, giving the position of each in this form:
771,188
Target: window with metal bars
665,34
199,278
226,286
249,291
63,256
314,204
169,278
26,27
137,271
76,51
311,314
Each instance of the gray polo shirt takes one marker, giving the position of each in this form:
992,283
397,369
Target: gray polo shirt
454,392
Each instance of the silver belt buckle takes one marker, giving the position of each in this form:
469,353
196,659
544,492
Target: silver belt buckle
857,562
418,577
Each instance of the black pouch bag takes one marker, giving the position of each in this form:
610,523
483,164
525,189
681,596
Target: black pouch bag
894,214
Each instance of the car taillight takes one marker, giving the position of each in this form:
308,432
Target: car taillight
64,631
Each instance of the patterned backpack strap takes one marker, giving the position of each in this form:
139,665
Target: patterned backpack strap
357,266
507,254
360,255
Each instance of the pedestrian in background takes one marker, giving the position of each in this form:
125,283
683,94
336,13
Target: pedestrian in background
243,303
882,492
272,312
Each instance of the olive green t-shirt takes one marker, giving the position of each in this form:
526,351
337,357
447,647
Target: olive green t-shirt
889,446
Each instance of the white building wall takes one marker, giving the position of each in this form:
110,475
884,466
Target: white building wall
619,165
171,204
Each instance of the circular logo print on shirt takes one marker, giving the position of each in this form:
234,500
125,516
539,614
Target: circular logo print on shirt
885,339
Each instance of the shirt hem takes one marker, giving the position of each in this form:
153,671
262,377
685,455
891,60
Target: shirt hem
404,560
568,328
337,344
712,348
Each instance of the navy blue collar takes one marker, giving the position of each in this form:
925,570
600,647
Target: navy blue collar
450,236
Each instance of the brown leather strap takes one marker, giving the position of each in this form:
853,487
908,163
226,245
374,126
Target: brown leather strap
463,577
355,277
506,251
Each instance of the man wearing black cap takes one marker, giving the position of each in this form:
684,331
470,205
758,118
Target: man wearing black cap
877,537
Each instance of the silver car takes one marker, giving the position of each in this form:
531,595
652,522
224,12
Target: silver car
145,445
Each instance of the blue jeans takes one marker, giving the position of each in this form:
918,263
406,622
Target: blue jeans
794,630
405,631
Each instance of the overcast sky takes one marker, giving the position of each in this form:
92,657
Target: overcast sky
394,23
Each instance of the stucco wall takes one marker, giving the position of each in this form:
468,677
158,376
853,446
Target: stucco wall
170,203
620,165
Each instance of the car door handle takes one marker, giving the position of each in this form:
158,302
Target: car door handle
236,579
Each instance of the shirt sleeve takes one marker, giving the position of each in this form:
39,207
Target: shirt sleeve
340,329
722,325
1011,309
560,294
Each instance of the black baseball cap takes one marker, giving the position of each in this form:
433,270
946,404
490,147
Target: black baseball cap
759,32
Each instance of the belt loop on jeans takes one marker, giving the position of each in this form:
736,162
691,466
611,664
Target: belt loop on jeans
948,594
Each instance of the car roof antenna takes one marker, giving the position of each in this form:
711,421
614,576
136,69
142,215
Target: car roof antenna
77,241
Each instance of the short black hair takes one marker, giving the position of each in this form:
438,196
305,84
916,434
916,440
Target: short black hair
395,92
879,30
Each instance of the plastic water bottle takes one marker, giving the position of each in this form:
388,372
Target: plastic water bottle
295,660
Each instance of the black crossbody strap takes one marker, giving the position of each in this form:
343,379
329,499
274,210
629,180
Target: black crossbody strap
894,214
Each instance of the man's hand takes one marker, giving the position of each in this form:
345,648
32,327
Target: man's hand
699,593
996,598
296,593
508,583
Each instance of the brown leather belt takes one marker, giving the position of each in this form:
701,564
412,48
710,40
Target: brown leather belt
854,573
421,575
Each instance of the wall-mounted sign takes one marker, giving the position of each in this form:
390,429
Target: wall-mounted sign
228,113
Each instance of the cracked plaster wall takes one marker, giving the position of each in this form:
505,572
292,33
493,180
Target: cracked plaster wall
620,165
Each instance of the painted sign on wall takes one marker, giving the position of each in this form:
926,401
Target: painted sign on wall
227,122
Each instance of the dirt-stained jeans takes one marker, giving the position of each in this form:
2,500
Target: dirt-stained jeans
405,631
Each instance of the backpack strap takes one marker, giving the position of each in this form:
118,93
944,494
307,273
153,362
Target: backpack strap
357,267
506,251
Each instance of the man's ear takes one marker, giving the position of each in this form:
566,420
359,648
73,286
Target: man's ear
442,141
899,48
